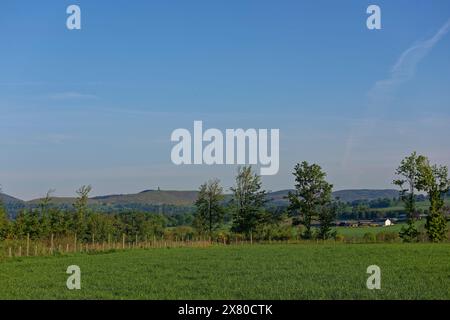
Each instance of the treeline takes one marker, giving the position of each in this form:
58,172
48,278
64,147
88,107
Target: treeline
311,212
177,215
369,209
417,174
81,220
310,203
312,207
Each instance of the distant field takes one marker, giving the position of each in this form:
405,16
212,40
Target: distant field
423,205
295,271
359,232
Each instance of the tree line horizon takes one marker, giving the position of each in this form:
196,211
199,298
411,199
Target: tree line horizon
311,208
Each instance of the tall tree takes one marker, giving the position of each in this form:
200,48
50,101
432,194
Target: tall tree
27,222
44,205
248,201
327,218
312,192
4,221
209,209
409,175
81,211
434,180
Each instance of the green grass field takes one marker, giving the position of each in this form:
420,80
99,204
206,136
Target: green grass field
422,205
360,231
289,271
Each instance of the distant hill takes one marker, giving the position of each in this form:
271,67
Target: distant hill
182,198
154,197
365,194
344,195
178,201
9,200
12,205
66,201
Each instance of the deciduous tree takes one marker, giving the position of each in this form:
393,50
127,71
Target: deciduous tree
248,201
81,211
209,207
312,193
408,171
434,180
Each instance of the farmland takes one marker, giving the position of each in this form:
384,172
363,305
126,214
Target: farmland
288,271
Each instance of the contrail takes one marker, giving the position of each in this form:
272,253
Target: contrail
405,67
382,91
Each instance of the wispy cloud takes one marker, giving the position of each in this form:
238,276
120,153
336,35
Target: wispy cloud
405,67
71,96
383,90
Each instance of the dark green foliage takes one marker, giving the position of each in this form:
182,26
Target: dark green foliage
4,222
311,194
81,212
248,202
46,219
434,180
144,225
209,209
409,233
436,226
408,171
327,218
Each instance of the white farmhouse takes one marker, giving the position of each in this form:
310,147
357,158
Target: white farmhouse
388,223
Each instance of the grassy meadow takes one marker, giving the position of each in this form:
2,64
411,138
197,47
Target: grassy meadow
277,271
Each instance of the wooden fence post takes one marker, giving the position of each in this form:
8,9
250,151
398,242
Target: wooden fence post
123,240
51,244
28,244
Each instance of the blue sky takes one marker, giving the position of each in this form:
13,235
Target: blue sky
97,106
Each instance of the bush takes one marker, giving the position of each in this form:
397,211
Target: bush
392,236
387,236
179,233
275,232
369,237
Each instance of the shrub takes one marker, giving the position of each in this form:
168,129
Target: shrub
387,236
369,237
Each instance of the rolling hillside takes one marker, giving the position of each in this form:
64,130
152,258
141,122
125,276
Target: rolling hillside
155,197
365,194
349,195
12,205
9,200
187,198
182,198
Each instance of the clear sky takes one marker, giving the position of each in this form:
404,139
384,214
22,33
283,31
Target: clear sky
97,105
